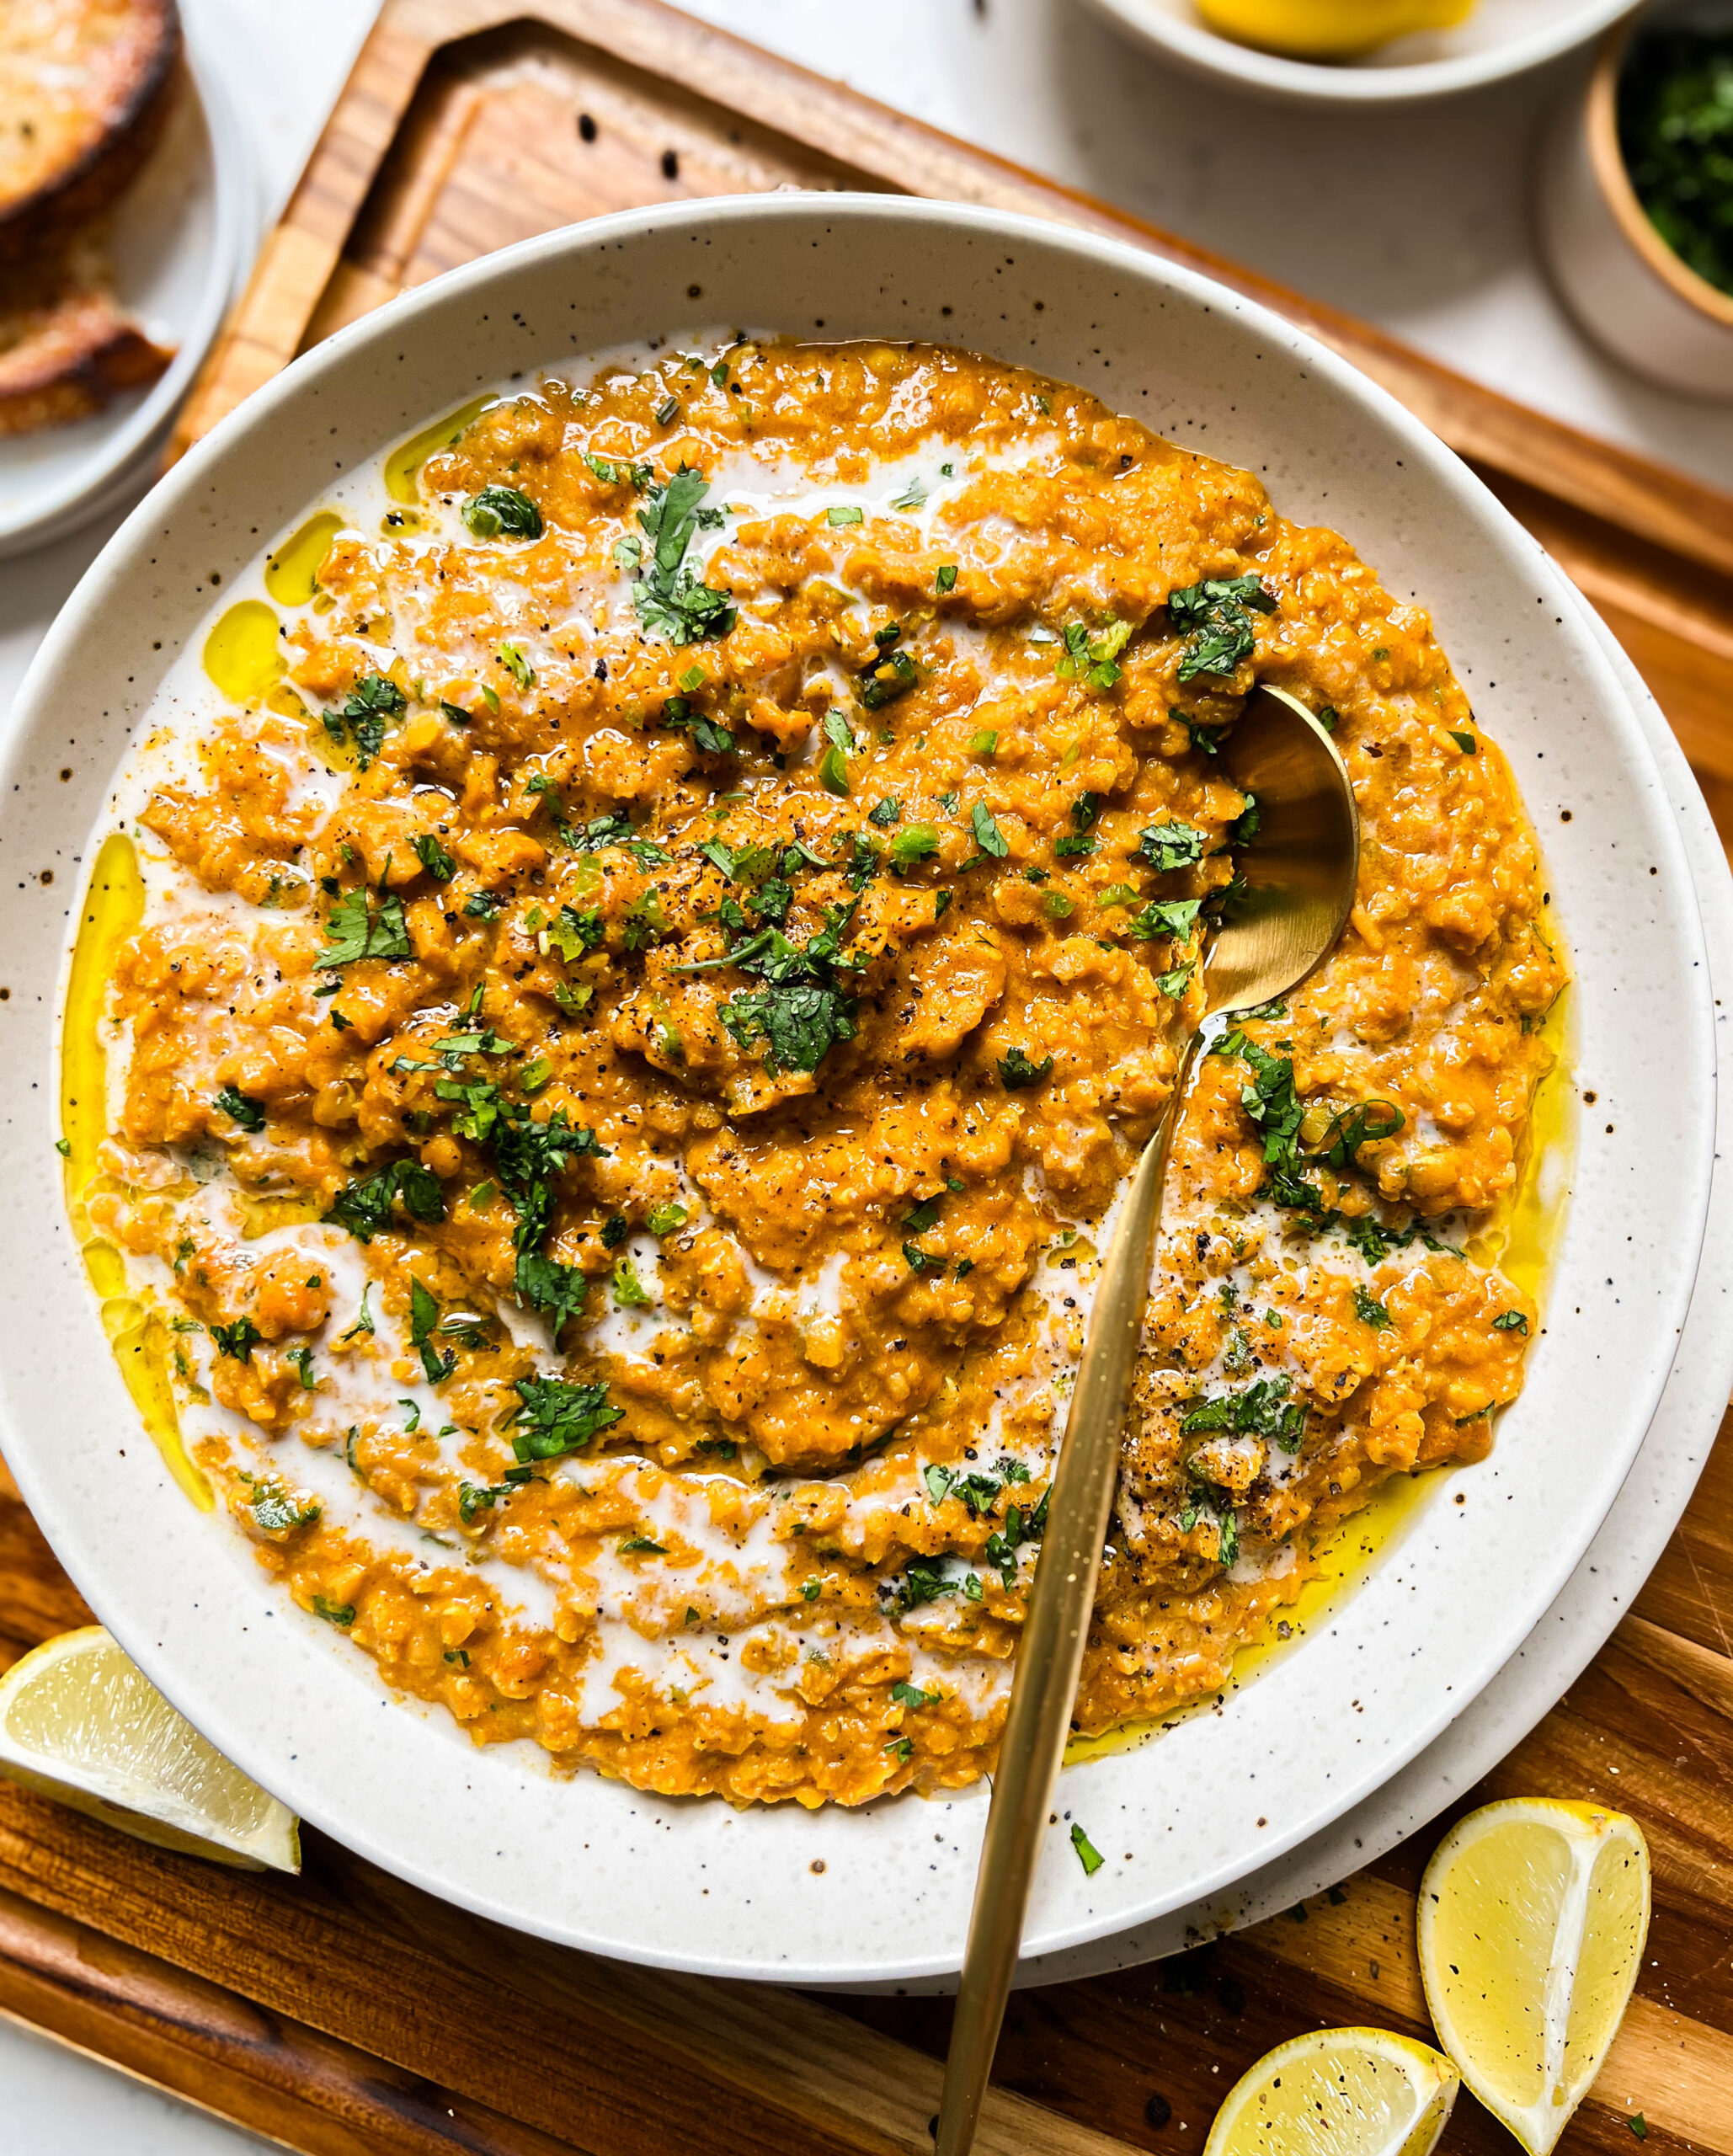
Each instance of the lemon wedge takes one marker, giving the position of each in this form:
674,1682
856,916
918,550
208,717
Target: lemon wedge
1533,1915
1326,29
81,1722
1338,2092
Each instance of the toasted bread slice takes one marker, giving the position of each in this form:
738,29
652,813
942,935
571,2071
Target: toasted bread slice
84,87
67,347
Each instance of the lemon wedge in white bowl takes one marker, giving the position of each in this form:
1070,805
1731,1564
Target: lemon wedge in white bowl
1327,29
81,1722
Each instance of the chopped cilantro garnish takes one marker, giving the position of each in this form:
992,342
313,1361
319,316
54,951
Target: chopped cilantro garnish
988,835
945,580
249,1115
554,1418
671,603
237,1340
1511,1321
1369,1310
1466,742
374,699
333,1613
1093,659
663,1219
614,472
433,857
1088,1855
356,932
503,510
1261,1410
1212,617
1363,1124
437,1363
886,813
888,675
1172,917
364,1206
913,496
1017,1069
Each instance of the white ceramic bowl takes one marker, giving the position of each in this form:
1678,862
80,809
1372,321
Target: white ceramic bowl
695,1884
1499,38
1619,277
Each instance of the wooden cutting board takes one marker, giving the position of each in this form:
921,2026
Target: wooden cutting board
344,2012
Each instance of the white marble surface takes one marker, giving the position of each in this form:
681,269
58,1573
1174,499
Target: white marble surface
1420,223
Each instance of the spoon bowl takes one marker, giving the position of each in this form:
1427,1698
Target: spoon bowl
1296,870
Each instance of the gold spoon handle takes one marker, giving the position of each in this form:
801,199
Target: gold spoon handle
1050,1654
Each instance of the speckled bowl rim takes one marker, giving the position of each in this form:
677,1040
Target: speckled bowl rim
696,1885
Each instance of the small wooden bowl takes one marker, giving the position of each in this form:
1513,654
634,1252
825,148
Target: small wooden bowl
1618,277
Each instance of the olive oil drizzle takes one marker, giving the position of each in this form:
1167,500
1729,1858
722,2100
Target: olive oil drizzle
114,907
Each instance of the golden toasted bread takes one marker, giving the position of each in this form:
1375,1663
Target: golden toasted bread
84,85
65,346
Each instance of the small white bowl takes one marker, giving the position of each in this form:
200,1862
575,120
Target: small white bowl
1618,277
1498,37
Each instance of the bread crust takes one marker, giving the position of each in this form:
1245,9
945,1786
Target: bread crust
85,86
65,356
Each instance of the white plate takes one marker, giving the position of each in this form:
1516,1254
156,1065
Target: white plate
176,245
696,1885
1499,38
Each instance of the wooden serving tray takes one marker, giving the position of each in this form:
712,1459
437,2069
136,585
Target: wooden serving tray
344,2013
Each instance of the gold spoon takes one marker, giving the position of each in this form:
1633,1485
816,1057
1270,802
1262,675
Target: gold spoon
1300,870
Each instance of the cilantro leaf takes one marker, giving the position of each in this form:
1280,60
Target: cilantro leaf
799,1022
671,603
238,1340
1170,846
1369,1310
357,932
503,510
988,835
554,1418
1212,617
1017,1069
249,1115
365,1207
433,857
437,1363
1261,1410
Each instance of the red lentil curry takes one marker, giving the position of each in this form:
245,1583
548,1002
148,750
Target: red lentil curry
632,1040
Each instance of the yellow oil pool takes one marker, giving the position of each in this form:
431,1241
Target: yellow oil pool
242,654
291,575
113,909
403,465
